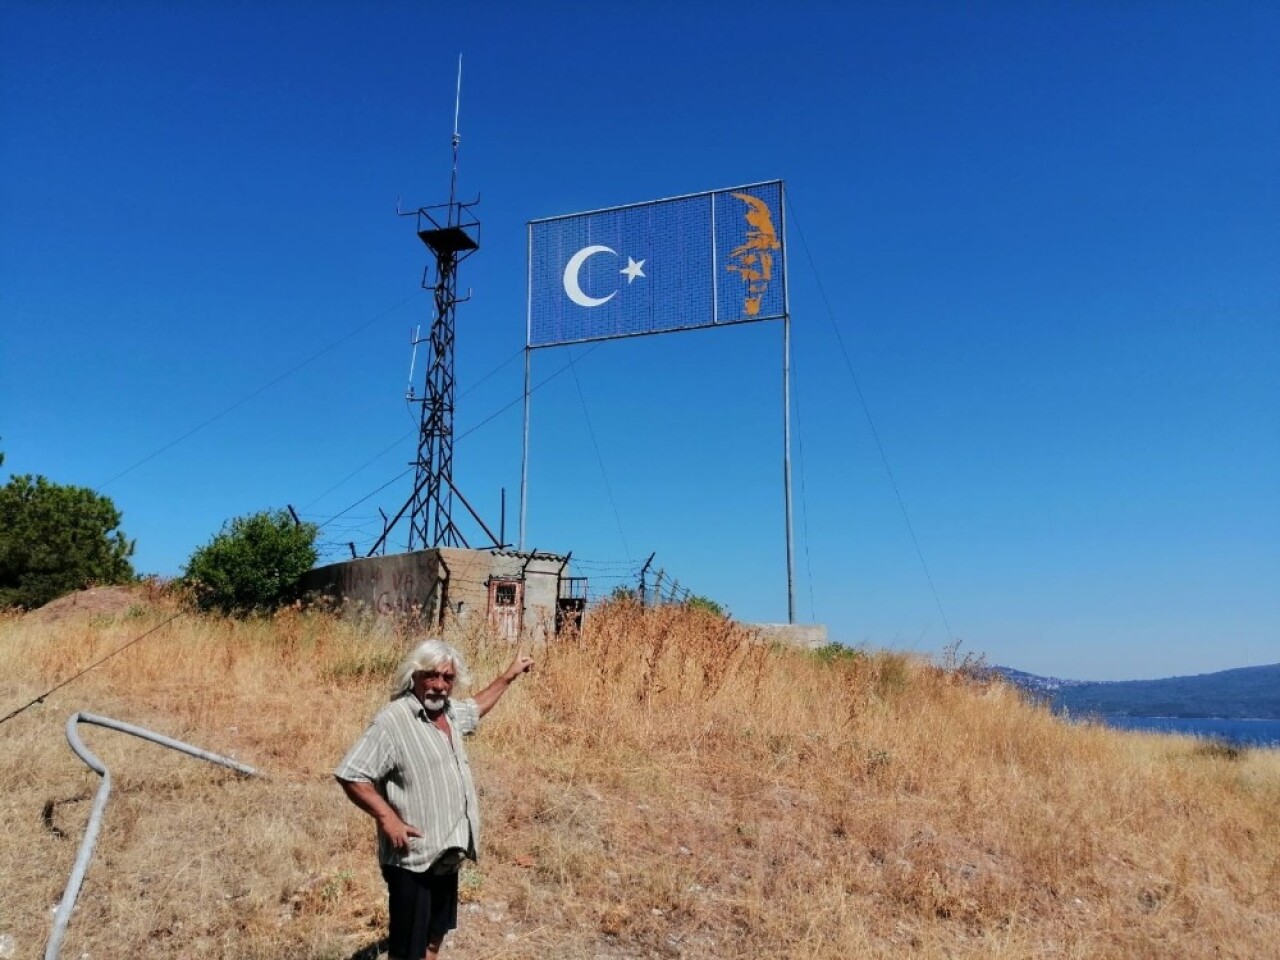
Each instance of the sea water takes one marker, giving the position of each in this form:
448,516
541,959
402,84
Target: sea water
1239,733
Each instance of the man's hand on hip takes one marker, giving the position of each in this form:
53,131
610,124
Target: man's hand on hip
397,831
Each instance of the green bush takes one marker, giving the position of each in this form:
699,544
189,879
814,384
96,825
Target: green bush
252,564
57,539
837,653
698,602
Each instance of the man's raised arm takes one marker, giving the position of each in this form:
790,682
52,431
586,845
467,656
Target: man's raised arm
491,694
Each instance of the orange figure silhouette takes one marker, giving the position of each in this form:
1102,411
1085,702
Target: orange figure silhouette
753,260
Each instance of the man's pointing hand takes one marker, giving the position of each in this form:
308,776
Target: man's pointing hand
523,663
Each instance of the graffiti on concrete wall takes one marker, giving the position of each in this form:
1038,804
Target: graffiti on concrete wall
386,591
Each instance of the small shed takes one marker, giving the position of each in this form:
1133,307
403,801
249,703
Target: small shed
520,593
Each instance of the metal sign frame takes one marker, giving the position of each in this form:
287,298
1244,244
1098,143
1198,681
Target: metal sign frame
662,215
784,316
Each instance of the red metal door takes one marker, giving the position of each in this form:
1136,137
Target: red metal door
506,601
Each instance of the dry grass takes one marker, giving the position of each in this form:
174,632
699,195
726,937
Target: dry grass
660,787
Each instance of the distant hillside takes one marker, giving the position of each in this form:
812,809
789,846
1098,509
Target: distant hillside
1247,692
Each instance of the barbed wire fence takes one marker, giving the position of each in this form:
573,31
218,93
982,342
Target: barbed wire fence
650,585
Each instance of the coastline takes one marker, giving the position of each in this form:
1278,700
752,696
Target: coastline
1252,732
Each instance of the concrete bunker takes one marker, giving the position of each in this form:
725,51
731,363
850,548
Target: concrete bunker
518,593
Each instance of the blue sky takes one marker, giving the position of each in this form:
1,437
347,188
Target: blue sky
1045,238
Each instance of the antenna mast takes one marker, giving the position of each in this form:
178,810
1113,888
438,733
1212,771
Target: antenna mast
452,233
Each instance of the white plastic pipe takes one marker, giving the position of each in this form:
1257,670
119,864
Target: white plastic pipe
63,915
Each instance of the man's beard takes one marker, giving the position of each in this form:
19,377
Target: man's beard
435,703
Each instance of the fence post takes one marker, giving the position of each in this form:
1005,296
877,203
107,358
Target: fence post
643,577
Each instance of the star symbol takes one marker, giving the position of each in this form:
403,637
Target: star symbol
632,270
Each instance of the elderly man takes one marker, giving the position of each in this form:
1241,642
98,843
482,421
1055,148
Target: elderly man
409,771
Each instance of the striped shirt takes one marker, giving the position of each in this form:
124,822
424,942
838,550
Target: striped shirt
424,774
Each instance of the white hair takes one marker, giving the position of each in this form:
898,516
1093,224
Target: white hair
428,655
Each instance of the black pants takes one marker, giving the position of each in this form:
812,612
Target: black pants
423,908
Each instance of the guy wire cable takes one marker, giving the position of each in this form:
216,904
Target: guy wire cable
262,389
54,689
591,430
804,500
366,497
405,436
862,402
685,593
466,433
534,389
92,666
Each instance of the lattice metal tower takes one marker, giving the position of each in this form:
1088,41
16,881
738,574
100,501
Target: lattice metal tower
452,233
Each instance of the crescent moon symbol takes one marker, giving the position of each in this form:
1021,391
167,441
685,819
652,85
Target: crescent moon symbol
572,284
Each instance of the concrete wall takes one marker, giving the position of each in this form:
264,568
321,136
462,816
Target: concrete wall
416,584
403,584
467,571
541,590
807,636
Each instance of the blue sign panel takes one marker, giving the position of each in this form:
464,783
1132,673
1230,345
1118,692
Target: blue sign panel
696,261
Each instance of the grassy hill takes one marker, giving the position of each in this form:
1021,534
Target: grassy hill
661,787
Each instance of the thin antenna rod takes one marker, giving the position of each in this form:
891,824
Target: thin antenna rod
452,234
457,139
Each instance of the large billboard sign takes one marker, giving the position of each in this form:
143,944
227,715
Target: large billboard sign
703,260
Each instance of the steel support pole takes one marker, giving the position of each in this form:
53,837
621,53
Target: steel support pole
524,457
528,352
786,412
786,464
